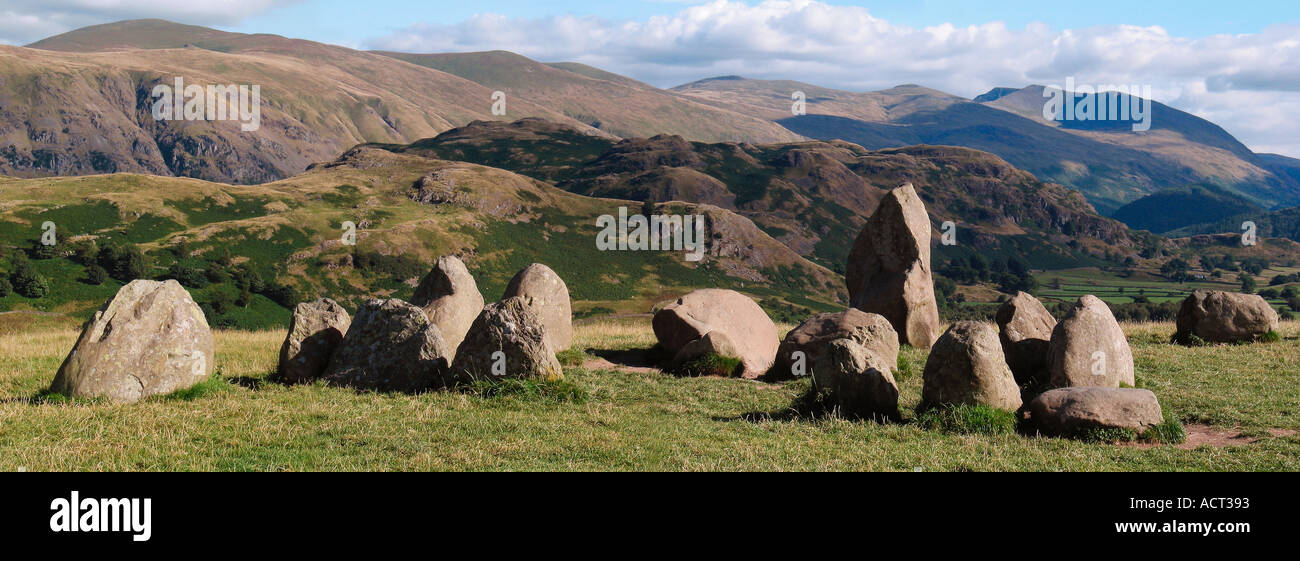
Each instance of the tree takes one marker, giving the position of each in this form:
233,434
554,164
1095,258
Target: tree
1176,269
28,283
124,262
1247,283
96,275
5,287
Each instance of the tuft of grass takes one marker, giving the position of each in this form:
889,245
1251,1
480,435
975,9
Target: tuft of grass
1188,339
1170,431
1271,337
968,419
573,356
1106,434
552,391
214,385
905,369
711,364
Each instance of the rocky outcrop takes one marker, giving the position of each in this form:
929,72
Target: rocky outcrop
315,332
1088,348
966,367
1225,317
150,339
745,324
450,298
507,340
889,268
390,346
542,288
1025,330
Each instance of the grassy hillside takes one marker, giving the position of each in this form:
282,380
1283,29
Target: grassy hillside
1171,209
1238,403
249,252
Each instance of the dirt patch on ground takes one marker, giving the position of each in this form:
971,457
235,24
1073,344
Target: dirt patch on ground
604,364
1206,435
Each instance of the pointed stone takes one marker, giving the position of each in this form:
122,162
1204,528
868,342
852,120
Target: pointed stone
889,268
450,298
544,289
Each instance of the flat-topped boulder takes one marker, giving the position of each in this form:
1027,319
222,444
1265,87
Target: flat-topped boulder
1070,411
811,337
1226,317
1025,331
746,326
546,291
507,340
1088,348
390,346
150,339
450,298
889,268
966,367
315,332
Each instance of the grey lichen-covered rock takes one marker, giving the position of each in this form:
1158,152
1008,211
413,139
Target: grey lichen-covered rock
1088,348
751,333
546,291
889,268
450,297
390,346
507,340
872,331
1025,330
966,367
315,332
150,339
1070,411
859,382
1225,317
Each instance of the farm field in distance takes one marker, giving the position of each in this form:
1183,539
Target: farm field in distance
1238,402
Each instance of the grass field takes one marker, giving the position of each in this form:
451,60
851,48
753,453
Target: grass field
610,420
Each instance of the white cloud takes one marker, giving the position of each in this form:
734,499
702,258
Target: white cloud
1249,84
25,21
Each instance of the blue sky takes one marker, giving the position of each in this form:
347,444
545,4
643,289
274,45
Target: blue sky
1234,63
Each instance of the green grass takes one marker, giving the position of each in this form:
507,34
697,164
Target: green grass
968,419
711,364
609,420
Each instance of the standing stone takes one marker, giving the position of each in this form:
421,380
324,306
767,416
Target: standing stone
1088,348
859,382
966,367
390,346
1069,411
1025,330
746,326
150,339
315,332
450,297
540,286
872,331
507,340
889,268
1226,317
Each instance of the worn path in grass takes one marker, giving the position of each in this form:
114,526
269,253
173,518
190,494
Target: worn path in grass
620,420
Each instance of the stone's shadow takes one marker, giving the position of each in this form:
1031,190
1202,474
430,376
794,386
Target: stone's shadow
631,358
809,406
256,383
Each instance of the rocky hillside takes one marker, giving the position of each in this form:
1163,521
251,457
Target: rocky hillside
249,252
812,196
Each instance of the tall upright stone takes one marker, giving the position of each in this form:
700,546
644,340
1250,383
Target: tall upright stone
1088,348
150,339
450,297
543,289
1025,330
889,268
